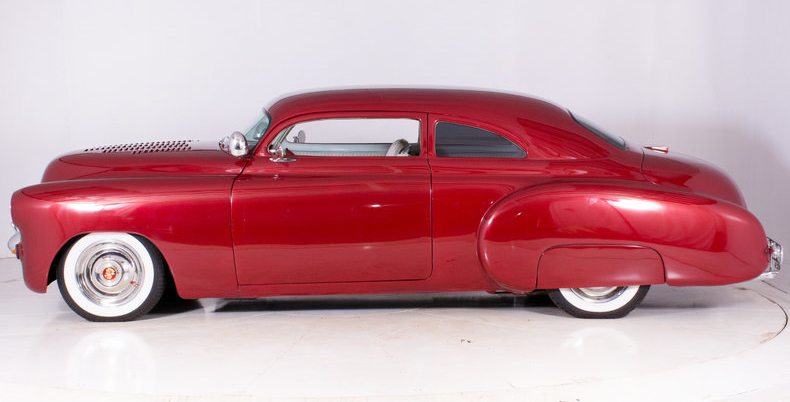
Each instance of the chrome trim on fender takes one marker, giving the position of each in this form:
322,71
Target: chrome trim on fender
775,263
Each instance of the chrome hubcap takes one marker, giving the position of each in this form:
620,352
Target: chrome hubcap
599,294
108,273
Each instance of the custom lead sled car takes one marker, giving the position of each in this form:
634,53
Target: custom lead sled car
386,191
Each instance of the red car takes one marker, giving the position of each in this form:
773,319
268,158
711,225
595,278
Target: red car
386,191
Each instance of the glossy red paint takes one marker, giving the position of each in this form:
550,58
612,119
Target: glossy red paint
690,174
545,131
200,159
333,219
581,266
369,214
681,227
252,227
186,218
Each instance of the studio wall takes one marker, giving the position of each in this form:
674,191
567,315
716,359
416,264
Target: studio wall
706,78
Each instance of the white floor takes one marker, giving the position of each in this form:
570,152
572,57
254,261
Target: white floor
697,344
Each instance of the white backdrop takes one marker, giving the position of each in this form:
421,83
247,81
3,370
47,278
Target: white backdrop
707,78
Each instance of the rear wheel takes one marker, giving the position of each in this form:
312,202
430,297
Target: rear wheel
599,302
111,276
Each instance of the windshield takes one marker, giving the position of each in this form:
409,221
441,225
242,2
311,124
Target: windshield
610,138
256,132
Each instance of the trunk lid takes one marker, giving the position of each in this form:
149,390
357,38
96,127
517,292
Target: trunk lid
687,173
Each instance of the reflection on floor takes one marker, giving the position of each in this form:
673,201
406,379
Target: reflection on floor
680,344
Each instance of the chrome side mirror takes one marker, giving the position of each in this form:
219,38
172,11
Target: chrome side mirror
235,144
279,154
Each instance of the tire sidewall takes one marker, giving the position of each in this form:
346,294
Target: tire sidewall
616,308
148,294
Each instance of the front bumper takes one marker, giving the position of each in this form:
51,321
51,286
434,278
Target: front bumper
14,241
775,263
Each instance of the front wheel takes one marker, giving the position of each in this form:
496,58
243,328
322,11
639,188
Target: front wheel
599,302
111,276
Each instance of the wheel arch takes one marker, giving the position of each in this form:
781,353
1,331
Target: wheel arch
60,255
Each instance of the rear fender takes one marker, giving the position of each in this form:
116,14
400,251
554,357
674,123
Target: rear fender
700,240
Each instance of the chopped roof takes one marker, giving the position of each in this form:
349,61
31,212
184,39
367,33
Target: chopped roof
460,102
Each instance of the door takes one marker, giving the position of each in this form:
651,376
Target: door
474,166
348,201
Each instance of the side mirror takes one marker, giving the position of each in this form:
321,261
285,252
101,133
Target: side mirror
279,155
235,144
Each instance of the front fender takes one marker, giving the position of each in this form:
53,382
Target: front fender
701,240
186,218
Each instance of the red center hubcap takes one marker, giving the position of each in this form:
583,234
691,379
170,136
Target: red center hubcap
109,273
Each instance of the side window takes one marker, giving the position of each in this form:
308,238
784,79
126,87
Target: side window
352,137
462,141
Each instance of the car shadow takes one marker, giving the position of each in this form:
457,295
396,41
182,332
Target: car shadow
662,300
373,302
173,305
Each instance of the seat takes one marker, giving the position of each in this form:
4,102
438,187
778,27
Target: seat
299,137
398,148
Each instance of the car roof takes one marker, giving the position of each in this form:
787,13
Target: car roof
480,104
545,130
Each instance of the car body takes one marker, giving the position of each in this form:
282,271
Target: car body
387,191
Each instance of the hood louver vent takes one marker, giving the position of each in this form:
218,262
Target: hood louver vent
145,147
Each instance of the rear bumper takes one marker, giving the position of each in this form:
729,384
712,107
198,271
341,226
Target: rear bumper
775,263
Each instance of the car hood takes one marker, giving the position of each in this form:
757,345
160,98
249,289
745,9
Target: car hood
187,157
687,173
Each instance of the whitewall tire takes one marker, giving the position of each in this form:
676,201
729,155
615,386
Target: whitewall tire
111,276
599,302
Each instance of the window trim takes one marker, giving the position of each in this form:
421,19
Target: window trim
361,147
274,131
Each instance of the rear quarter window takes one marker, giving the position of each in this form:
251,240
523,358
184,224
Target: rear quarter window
461,141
